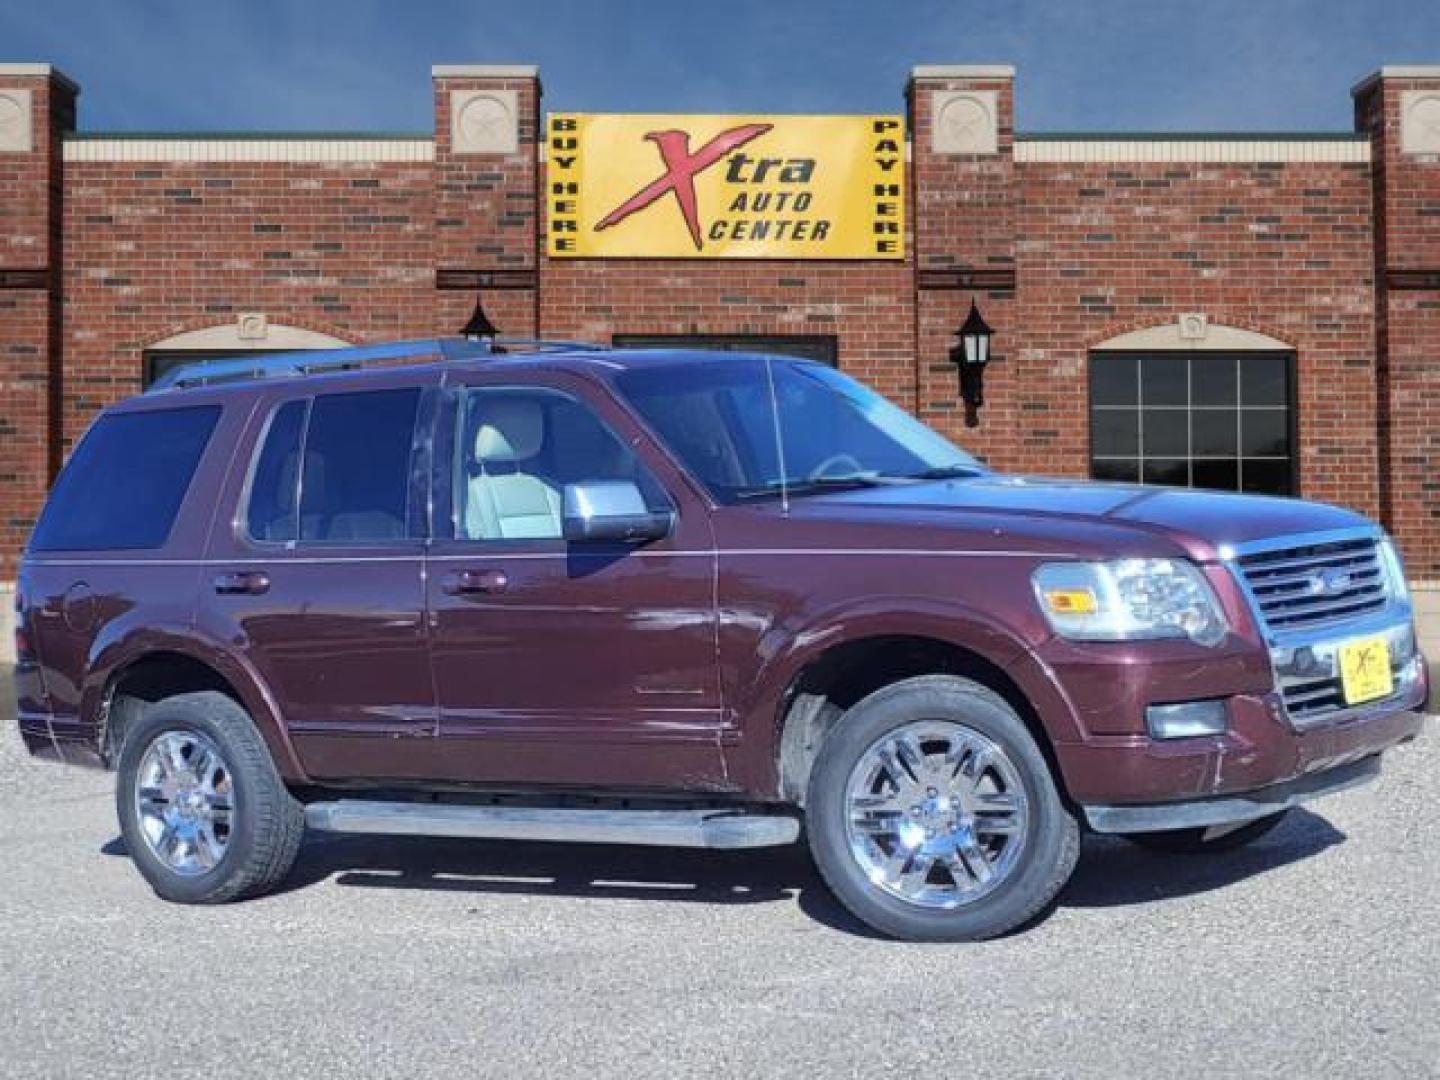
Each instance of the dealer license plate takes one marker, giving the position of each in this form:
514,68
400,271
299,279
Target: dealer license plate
1365,670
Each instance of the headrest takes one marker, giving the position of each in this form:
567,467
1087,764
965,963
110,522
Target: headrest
511,429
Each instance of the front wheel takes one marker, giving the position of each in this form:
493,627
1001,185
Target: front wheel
204,813
933,816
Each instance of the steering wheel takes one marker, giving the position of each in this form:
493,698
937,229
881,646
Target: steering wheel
822,470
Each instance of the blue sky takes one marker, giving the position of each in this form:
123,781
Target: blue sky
364,64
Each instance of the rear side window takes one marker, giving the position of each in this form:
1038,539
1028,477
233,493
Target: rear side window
273,513
340,474
126,481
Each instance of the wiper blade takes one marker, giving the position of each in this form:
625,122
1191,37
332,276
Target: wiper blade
809,486
946,472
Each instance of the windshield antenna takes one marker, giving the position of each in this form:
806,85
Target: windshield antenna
779,442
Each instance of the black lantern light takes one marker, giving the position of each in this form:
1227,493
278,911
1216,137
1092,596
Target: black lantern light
970,356
479,328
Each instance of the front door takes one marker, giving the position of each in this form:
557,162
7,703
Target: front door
566,663
320,574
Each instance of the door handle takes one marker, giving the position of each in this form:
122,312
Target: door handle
460,582
242,582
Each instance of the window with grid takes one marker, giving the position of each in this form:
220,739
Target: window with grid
1202,419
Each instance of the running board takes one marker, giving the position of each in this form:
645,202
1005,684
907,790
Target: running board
657,828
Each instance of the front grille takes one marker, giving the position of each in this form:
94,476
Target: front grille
1316,583
1312,700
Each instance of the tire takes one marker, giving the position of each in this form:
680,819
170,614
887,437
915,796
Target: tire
987,737
201,832
1193,841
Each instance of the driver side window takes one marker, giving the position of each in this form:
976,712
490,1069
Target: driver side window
516,450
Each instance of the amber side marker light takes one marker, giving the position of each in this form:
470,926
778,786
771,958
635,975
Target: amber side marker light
1071,601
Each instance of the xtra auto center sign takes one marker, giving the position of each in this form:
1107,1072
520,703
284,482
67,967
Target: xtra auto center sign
731,187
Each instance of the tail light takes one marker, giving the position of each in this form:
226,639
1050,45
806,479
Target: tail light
24,647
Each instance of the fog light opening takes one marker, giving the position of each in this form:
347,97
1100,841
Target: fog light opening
1187,720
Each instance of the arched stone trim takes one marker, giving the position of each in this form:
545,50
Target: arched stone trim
227,337
1218,338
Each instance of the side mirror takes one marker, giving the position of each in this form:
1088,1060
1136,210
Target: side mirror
611,511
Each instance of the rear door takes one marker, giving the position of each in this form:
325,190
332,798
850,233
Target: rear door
562,663
319,572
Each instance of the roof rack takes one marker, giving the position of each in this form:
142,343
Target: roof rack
316,361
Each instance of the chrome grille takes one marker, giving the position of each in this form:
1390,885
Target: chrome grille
1316,583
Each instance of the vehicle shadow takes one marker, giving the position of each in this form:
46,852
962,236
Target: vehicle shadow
1111,872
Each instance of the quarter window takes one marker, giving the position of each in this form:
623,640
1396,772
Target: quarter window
124,485
1205,420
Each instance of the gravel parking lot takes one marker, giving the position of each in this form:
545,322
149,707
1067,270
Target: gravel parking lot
1314,953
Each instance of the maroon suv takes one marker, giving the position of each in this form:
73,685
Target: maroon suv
679,598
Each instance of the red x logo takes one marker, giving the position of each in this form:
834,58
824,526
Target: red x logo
681,168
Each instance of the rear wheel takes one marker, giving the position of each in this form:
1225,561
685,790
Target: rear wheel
204,813
933,816
1206,841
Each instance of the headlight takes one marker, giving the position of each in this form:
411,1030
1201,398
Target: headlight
1394,569
1130,600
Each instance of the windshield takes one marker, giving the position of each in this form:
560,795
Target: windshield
717,417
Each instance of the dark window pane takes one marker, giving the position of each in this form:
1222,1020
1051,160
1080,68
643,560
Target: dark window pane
1219,475
1125,471
1265,433
1166,432
1266,477
125,482
356,473
1113,379
1264,380
1115,432
1163,380
1205,419
276,480
1173,472
1212,381
1213,432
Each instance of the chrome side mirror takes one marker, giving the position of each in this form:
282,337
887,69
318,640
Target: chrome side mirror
611,511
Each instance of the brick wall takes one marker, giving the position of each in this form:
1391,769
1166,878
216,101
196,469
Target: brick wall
30,262
1282,249
486,209
1407,257
965,231
1061,256
158,248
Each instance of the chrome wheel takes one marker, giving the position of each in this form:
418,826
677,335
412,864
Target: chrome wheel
936,814
184,802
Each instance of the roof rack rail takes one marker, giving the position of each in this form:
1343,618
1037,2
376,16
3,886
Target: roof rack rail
316,361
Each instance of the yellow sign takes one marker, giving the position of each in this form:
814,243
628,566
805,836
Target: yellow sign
1365,670
728,187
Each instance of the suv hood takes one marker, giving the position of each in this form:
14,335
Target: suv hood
1201,521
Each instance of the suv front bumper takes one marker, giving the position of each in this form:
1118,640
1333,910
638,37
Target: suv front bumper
1262,764
1232,809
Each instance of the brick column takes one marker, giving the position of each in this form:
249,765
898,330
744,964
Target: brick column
37,105
1400,108
486,205
963,206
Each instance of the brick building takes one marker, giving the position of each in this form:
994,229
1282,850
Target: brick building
1242,311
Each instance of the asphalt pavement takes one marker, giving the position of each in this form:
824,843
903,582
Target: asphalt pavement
1314,953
